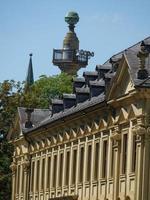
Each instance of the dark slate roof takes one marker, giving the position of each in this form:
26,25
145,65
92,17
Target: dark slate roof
141,83
37,116
88,84
81,106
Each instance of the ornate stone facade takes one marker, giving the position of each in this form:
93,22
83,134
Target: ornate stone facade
97,149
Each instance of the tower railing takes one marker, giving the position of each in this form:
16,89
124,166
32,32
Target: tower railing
61,56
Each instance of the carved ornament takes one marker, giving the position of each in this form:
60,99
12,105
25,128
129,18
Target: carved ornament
13,167
26,165
116,134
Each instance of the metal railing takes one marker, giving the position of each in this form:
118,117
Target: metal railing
71,56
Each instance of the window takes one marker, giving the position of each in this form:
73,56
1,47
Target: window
32,176
81,164
60,169
22,185
104,162
37,175
88,172
18,179
74,167
67,167
96,163
48,172
54,171
124,153
43,173
133,154
112,163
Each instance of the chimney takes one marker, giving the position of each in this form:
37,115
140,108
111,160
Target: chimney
69,100
82,94
57,106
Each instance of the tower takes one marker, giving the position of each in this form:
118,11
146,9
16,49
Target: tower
30,78
70,59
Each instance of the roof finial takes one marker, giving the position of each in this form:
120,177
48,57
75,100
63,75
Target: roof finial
142,55
28,123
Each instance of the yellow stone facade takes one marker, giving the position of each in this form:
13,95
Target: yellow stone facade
99,153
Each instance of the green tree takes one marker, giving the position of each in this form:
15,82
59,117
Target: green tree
12,95
46,88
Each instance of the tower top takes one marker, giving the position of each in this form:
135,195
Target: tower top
70,59
72,18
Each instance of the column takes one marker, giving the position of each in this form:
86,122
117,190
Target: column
26,165
139,130
116,137
146,164
13,167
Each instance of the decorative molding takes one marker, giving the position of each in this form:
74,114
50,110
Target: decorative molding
66,136
133,112
94,126
102,124
123,115
80,132
87,129
54,141
47,142
111,121
59,138
73,134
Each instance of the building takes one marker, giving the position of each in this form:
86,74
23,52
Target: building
95,143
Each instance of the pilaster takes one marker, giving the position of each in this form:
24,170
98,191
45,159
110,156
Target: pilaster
116,137
26,165
13,167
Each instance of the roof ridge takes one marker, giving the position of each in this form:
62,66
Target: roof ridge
121,52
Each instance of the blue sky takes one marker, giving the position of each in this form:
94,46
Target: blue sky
105,27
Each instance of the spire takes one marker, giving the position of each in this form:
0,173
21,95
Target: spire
30,78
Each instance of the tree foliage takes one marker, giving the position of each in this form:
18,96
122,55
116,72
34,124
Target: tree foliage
12,95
